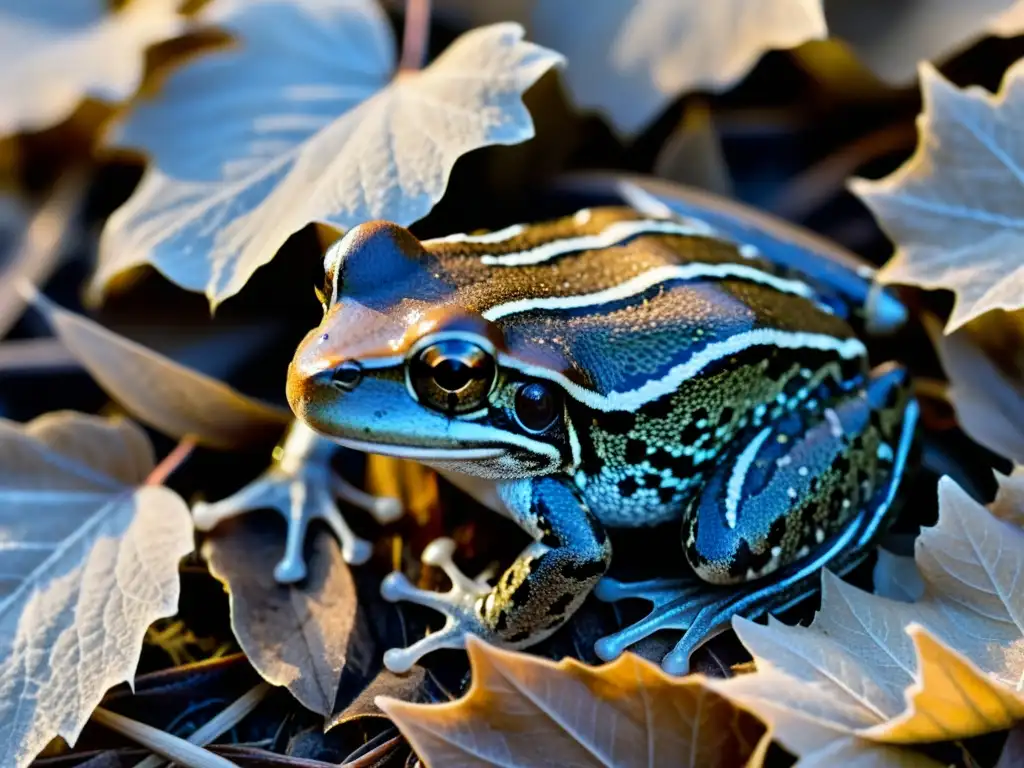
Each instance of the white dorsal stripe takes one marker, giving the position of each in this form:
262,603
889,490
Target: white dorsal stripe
632,399
643,281
734,488
611,235
497,236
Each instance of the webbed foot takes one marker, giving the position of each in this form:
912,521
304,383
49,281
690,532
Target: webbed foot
458,605
302,486
703,611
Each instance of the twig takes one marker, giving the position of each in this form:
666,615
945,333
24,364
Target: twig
171,747
171,462
42,247
415,36
221,724
374,755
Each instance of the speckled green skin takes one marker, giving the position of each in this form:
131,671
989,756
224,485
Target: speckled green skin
732,397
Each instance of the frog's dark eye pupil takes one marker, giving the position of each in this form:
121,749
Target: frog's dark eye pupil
452,375
536,406
347,375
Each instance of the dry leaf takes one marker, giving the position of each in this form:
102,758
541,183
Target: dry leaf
876,670
298,635
892,43
52,54
525,710
630,59
954,208
989,401
90,560
281,135
160,392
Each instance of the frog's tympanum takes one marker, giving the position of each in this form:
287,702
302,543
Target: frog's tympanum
611,369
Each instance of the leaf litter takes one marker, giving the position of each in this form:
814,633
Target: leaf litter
873,671
313,133
55,53
90,560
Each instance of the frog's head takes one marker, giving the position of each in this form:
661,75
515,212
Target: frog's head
400,366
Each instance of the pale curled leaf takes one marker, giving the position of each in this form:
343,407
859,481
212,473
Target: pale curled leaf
630,59
283,135
89,562
856,673
989,402
954,208
891,44
160,392
297,635
525,710
54,53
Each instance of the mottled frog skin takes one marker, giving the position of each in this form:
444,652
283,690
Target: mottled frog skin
609,369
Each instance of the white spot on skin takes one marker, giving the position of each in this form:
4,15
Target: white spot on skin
885,452
835,425
582,217
792,493
734,488
776,551
748,251
819,535
802,471
785,461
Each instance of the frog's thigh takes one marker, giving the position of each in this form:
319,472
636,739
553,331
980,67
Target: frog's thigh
552,577
787,487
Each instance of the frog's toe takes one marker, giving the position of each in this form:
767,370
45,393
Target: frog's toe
458,605
301,494
675,604
384,509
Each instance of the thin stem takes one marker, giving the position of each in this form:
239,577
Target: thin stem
416,35
374,755
174,749
171,461
219,725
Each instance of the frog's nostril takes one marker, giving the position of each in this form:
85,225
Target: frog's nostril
347,375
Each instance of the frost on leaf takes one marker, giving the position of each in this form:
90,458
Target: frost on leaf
281,135
891,44
89,561
161,392
55,52
871,670
524,710
298,635
954,208
630,59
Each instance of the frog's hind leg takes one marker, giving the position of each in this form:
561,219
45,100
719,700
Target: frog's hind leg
534,596
813,489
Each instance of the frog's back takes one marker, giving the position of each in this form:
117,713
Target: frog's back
626,307
667,340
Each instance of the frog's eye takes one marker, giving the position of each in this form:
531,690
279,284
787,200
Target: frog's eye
536,406
452,375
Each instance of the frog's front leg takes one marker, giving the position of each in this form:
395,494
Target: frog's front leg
811,489
535,595
301,484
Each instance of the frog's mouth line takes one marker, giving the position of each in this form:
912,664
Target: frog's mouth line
419,453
